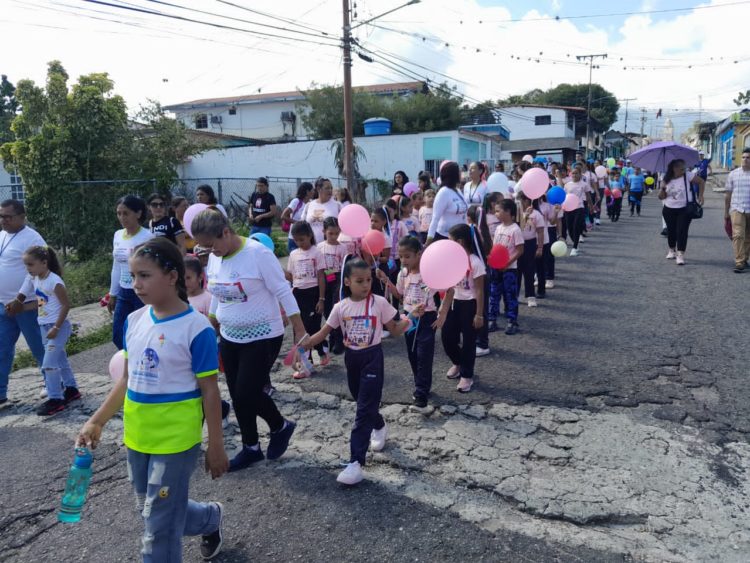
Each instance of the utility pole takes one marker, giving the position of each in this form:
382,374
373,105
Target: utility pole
643,122
627,100
700,109
346,45
588,107
348,128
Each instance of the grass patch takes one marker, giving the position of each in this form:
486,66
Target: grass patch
76,344
279,238
88,281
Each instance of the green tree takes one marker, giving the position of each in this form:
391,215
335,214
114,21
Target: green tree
8,108
64,136
742,98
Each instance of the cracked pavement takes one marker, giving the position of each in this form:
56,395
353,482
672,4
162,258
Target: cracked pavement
613,428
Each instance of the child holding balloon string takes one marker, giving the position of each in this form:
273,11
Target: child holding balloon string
535,236
419,302
425,214
333,254
362,317
552,214
509,235
465,306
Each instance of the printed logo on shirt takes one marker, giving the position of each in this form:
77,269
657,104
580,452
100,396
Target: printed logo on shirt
359,332
304,269
414,294
42,299
147,369
228,292
162,339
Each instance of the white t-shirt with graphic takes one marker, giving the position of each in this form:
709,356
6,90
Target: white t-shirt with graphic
315,213
12,270
414,291
304,266
361,322
123,247
44,289
465,290
247,288
510,236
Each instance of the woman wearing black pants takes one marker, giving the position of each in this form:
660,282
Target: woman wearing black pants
676,192
576,219
247,285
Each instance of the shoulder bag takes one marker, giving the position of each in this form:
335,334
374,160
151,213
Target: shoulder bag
693,208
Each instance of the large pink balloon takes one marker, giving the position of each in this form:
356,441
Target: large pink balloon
535,183
354,220
571,203
410,189
443,264
190,214
373,242
117,366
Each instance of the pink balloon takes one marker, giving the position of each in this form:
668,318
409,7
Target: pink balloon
354,220
535,183
601,171
571,203
190,214
373,242
410,189
617,193
117,366
443,264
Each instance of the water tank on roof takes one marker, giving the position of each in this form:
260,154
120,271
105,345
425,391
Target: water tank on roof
377,126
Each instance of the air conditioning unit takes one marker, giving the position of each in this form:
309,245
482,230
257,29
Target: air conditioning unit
216,119
288,116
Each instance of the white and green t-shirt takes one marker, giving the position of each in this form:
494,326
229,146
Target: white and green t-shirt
123,247
163,411
44,290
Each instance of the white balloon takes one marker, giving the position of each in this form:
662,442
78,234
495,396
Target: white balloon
497,182
528,158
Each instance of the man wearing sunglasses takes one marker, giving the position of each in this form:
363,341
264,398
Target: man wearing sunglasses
15,238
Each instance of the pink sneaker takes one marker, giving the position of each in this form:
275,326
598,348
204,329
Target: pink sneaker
299,375
453,372
464,385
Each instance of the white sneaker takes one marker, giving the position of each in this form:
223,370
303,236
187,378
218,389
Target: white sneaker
581,240
43,393
574,252
549,284
532,301
351,475
482,352
377,439
597,222
385,334
671,255
680,259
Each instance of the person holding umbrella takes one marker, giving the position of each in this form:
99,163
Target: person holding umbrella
676,194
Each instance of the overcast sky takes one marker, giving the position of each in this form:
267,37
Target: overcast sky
665,53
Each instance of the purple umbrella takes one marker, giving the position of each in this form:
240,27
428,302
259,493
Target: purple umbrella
656,156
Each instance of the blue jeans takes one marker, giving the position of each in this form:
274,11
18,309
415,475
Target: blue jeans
264,230
127,302
10,329
55,367
161,484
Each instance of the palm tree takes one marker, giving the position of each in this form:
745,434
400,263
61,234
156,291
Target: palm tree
337,148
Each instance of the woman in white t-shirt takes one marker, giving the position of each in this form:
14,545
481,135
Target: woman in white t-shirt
294,210
131,212
449,208
475,189
676,192
319,209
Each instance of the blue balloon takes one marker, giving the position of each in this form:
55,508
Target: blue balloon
556,195
264,239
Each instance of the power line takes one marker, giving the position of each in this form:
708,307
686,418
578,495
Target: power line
275,17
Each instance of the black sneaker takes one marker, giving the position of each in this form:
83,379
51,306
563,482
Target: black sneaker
511,329
664,232
280,440
492,327
211,544
71,394
50,407
739,269
420,402
245,458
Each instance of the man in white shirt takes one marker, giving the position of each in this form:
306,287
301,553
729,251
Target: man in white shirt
15,238
737,208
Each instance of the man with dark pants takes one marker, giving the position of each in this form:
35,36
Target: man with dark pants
15,238
262,208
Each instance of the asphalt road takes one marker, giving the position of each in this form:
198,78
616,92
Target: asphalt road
620,317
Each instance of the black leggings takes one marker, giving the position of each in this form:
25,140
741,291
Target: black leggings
459,336
247,367
678,225
527,267
307,300
575,221
549,259
332,297
635,201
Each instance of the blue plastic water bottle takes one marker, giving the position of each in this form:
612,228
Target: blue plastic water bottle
76,487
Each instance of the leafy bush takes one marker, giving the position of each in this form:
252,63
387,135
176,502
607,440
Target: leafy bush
87,281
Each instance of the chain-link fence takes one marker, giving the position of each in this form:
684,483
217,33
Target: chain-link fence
11,191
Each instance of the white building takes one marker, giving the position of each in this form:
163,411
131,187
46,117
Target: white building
270,116
10,185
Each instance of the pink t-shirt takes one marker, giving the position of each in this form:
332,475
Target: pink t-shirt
534,222
425,217
361,321
304,266
414,292
465,290
349,245
578,188
510,236
201,303
333,256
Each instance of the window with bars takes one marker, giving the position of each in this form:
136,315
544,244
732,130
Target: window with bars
201,121
16,187
543,120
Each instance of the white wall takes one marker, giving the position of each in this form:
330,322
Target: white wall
520,122
257,121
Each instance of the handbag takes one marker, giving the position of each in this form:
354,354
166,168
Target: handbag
693,208
287,225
